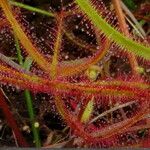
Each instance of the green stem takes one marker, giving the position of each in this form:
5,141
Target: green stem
30,8
20,59
26,65
32,118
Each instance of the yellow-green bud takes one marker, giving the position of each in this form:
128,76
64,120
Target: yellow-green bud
36,125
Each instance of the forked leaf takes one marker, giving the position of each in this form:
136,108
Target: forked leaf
124,42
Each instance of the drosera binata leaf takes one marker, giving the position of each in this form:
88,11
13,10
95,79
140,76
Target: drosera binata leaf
73,67
111,33
23,38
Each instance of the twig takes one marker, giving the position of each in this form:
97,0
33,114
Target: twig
124,29
128,12
110,110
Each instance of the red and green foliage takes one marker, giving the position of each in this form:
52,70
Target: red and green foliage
72,55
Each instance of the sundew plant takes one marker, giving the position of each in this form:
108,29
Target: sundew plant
73,73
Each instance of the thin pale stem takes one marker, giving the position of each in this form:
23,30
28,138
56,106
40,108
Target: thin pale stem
128,12
110,110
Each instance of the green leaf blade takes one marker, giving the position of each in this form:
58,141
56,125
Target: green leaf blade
115,36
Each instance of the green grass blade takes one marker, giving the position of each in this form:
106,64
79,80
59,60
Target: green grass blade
26,65
20,59
30,8
32,118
